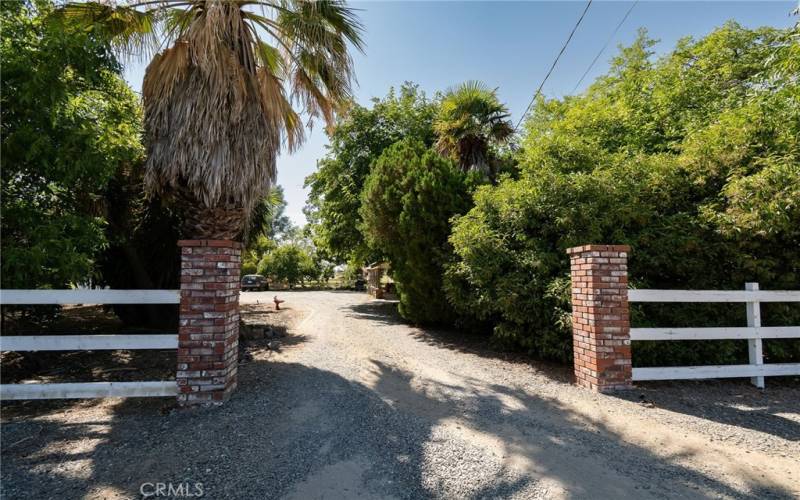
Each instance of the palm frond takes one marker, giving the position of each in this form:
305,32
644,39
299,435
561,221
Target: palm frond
220,92
270,58
470,119
131,32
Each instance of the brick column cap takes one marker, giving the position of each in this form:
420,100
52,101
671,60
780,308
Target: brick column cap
599,248
210,243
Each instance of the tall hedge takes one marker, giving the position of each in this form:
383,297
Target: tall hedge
693,159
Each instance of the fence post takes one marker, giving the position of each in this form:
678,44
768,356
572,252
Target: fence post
755,349
600,316
208,335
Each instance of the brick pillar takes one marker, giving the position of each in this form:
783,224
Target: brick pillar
208,336
600,316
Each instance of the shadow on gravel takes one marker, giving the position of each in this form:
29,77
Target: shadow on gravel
300,431
541,436
732,402
385,313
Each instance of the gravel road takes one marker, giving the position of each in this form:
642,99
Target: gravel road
356,404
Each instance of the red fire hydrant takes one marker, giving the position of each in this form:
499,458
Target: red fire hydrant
278,303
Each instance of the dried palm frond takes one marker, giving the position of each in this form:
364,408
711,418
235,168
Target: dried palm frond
219,99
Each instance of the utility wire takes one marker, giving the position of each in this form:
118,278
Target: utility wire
604,47
563,48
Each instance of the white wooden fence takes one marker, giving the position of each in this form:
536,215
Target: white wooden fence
88,342
753,332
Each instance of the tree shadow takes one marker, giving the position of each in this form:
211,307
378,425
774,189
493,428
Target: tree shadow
299,431
385,312
97,365
119,365
733,402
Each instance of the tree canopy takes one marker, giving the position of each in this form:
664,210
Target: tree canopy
69,123
408,200
358,139
470,124
291,263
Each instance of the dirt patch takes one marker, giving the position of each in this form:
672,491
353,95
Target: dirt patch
280,326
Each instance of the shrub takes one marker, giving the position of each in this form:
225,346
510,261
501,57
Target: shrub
407,202
692,160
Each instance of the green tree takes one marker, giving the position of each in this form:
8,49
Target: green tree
256,249
142,251
69,123
357,140
268,225
269,217
691,158
470,124
290,263
407,202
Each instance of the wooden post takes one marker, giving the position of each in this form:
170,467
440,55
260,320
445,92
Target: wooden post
755,348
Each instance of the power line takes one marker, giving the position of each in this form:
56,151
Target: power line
563,48
604,47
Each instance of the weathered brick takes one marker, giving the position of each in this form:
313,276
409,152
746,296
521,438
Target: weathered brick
600,316
208,336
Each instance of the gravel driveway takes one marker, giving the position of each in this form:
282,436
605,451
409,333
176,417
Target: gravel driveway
357,404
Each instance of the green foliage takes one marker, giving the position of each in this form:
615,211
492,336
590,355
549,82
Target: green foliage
470,124
350,274
692,159
269,225
142,250
407,202
358,139
256,248
291,263
249,266
69,122
269,218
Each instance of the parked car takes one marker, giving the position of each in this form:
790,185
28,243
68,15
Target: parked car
254,282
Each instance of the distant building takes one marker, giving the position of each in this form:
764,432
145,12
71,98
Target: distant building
378,282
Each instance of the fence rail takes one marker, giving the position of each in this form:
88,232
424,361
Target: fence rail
745,332
756,295
64,297
754,333
89,390
88,342
715,371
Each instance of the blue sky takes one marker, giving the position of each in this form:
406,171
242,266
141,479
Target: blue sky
508,45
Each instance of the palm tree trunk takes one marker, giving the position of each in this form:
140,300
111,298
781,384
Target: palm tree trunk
213,223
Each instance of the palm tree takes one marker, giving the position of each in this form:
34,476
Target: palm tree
471,119
220,90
